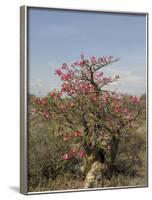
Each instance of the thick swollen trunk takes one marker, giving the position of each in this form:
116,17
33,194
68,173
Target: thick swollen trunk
113,154
95,170
92,169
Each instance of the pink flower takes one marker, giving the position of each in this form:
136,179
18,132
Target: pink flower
99,74
103,59
82,56
66,138
63,89
46,114
34,110
78,63
86,87
135,99
110,58
65,77
66,156
44,101
64,66
94,98
87,61
77,134
52,94
80,86
60,94
93,60
126,111
117,110
58,72
81,154
38,101
106,80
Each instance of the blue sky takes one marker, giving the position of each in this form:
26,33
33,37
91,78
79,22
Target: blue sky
55,37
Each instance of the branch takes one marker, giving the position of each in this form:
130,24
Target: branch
107,63
107,83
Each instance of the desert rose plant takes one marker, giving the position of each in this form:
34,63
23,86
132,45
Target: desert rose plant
92,118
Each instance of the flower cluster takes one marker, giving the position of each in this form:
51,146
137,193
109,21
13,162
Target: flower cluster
55,94
82,80
135,99
74,134
40,101
102,60
73,153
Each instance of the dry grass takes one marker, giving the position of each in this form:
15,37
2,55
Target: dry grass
47,171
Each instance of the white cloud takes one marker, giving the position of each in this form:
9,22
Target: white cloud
38,87
42,87
36,83
129,81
